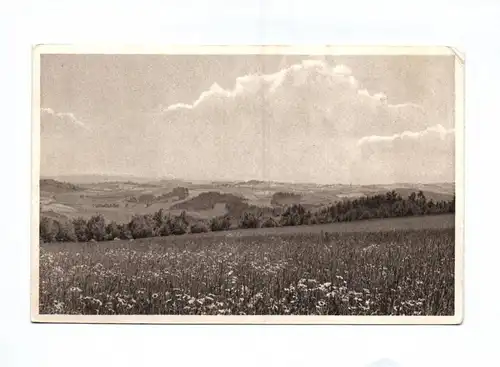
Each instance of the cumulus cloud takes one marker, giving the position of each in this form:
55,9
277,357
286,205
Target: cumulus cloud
414,156
311,121
314,89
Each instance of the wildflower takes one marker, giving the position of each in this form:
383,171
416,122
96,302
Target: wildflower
155,295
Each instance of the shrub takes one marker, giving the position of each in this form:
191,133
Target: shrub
365,215
249,220
269,223
220,223
198,228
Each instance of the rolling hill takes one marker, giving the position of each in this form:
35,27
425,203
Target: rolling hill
120,200
58,187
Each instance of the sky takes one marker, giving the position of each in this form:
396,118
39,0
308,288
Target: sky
294,118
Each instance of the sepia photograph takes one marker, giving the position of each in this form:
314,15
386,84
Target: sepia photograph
247,184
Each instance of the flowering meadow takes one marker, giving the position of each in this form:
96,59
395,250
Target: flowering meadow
403,272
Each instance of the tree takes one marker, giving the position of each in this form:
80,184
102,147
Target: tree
96,227
222,223
66,232
451,208
179,225
81,229
391,196
249,220
113,231
421,201
142,226
159,223
124,231
49,228
293,216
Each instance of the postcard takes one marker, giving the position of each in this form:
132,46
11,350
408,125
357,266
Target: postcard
247,184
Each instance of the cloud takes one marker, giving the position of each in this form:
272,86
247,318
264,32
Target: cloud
407,135
67,144
421,156
314,89
50,117
317,122
311,121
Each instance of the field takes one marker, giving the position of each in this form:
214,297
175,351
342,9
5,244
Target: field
384,267
62,200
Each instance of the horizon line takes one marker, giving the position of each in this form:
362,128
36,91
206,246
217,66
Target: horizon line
173,178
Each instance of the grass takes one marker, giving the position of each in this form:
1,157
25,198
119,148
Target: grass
399,272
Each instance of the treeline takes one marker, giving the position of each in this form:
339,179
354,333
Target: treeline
98,229
160,224
389,205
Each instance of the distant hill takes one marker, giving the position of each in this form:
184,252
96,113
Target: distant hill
58,187
285,198
90,179
54,215
207,200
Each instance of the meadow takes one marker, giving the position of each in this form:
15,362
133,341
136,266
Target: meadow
376,271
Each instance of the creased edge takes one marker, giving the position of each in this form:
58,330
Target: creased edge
460,55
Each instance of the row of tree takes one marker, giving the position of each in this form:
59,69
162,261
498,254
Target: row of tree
389,205
97,228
